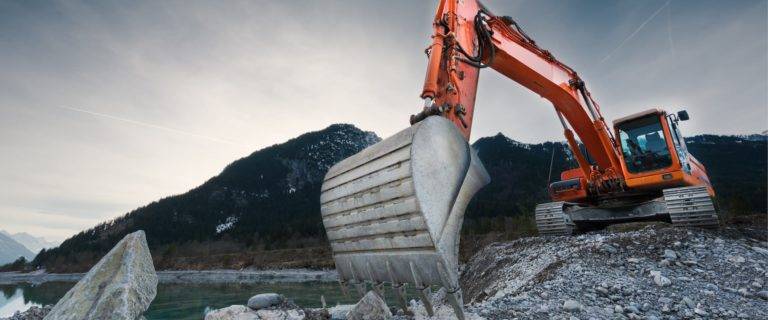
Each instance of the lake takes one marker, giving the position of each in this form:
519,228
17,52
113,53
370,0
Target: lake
180,301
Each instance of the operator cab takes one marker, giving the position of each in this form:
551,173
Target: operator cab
644,144
654,151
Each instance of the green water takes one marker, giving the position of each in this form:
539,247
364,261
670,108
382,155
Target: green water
179,301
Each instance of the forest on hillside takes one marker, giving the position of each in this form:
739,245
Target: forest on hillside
268,201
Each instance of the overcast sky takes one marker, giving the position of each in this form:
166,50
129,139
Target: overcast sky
108,105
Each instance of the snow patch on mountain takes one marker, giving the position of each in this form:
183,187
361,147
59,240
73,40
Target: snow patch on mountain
228,224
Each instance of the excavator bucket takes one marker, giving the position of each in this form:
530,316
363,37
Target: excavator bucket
393,212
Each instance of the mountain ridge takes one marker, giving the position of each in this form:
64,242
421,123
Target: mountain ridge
268,199
279,184
10,249
33,243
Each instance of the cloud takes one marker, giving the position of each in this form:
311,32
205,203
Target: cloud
149,125
106,106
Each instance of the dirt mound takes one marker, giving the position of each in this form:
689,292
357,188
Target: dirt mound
651,273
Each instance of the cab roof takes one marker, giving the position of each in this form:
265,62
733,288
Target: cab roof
638,115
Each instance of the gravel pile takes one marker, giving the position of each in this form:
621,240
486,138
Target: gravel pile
33,313
653,273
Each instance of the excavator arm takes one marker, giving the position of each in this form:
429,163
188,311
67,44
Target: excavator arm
393,212
467,37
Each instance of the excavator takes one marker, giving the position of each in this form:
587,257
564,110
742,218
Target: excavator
393,212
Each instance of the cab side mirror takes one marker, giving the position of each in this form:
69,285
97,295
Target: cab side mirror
683,115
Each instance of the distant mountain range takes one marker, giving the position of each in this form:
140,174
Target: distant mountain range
13,246
34,244
10,249
269,199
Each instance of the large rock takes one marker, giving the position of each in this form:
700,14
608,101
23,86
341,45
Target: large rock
240,312
265,300
290,314
370,307
120,286
340,312
236,312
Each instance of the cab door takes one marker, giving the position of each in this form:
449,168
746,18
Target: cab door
679,143
695,173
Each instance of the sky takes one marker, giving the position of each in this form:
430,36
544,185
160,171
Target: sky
106,106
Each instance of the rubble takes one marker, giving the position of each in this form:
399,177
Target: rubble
370,307
652,273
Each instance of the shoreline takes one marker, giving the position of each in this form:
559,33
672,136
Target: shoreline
190,276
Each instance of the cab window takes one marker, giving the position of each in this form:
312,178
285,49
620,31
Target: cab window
678,137
644,145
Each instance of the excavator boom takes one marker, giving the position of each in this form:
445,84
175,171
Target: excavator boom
468,37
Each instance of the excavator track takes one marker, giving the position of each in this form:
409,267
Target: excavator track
691,207
551,220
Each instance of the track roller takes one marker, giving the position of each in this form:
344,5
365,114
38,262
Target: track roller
551,220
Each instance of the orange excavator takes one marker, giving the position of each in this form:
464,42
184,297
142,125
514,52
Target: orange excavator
393,212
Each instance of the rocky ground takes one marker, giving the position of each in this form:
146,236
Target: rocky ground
656,272
635,271
33,313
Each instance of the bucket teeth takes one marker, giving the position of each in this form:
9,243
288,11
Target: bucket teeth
356,282
400,296
455,299
424,291
378,287
453,291
361,289
344,290
425,294
393,212
398,289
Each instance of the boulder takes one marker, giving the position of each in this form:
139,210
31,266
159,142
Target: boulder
340,312
659,279
120,286
265,300
236,312
571,305
290,314
608,248
370,307
241,312
670,255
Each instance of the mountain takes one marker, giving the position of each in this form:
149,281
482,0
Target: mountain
263,209
264,201
520,174
34,244
10,250
737,167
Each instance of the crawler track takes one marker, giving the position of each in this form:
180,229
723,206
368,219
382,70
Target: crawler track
552,221
691,207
